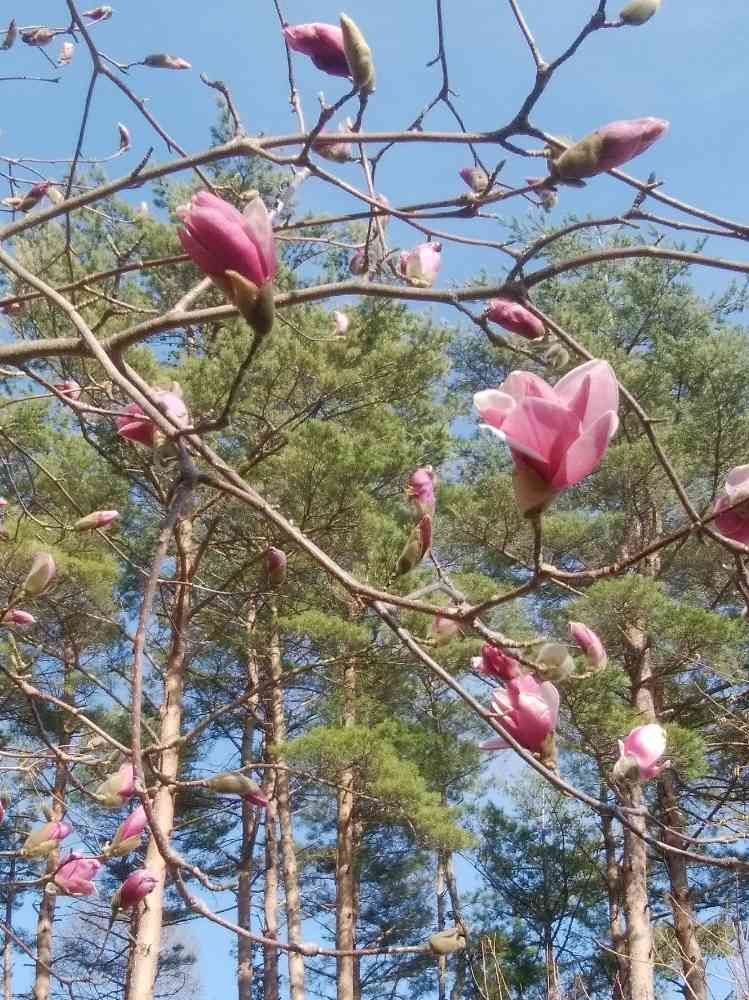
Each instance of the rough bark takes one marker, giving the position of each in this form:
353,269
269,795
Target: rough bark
685,923
440,889
249,823
345,911
620,989
283,805
148,942
270,903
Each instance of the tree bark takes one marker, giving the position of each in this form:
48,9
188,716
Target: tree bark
440,889
685,923
148,942
270,902
249,823
283,805
620,989
8,941
347,966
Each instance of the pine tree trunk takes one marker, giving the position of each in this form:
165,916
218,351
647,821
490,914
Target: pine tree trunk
8,941
249,825
148,942
685,923
345,912
440,889
46,918
283,805
270,903
616,922
635,878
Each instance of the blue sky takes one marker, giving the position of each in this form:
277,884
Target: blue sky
687,65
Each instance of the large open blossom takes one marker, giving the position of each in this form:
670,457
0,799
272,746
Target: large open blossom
734,523
134,425
75,876
527,709
557,435
643,747
323,43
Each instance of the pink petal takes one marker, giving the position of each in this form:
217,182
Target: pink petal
585,454
600,395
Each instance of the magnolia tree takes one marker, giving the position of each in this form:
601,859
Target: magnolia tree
271,610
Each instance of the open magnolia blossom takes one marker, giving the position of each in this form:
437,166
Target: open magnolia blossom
641,751
44,839
127,835
496,664
514,317
607,148
527,709
590,644
75,876
236,250
420,266
134,425
557,435
323,43
734,522
118,787
420,491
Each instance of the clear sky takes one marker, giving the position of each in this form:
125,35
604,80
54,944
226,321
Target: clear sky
687,65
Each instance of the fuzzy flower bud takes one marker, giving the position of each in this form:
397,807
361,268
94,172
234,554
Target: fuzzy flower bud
607,148
476,179
517,319
447,942
639,11
101,13
135,888
276,564
557,660
161,60
234,783
11,33
44,839
40,575
97,519
556,356
117,788
418,545
127,835
18,617
358,55
420,491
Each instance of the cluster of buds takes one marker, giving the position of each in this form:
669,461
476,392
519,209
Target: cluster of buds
339,51
422,500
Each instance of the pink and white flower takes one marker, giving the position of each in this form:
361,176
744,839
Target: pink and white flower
527,709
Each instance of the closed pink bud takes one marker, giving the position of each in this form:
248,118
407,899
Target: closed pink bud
527,710
161,60
323,43
97,519
69,388
124,134
44,839
496,664
341,323
127,836
135,888
358,263
607,148
75,876
476,179
18,617
276,564
590,644
557,435
515,318
420,266
100,13
118,787
644,746
443,630
420,491
734,523
40,575
134,425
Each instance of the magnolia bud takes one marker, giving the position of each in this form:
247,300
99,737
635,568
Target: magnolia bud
276,563
160,60
233,783
11,33
37,36
418,544
40,575
556,356
101,13
639,11
55,196
257,305
532,493
358,264
358,56
447,942
556,658
97,519
66,54
476,179
124,136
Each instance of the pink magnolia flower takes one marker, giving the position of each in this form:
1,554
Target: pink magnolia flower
127,835
69,388
608,147
495,663
527,710
323,43
643,747
135,888
118,787
590,644
515,318
276,564
557,435
17,617
46,838
341,323
134,425
75,876
96,519
420,266
40,575
476,178
420,491
219,238
101,13
3,502
734,524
